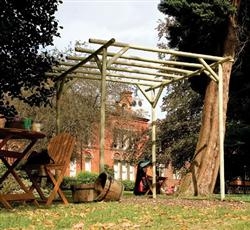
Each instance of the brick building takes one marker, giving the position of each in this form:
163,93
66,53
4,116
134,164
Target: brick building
125,137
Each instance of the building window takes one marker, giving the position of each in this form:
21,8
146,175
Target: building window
88,161
124,171
72,168
123,139
117,170
88,164
131,173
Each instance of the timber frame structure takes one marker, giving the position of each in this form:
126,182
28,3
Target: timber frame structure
149,75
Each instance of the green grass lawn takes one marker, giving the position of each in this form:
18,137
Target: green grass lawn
165,212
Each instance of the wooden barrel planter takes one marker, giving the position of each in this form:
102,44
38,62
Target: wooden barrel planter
83,193
107,188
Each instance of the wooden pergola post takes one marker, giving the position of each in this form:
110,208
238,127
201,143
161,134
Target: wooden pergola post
103,107
221,132
154,117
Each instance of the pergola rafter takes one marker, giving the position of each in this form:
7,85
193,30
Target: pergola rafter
150,75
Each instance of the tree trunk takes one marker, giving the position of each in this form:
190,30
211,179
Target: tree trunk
205,165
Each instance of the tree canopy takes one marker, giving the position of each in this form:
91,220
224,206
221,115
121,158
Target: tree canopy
201,27
216,27
25,28
196,26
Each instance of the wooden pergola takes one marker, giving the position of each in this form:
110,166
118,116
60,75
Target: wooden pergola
111,61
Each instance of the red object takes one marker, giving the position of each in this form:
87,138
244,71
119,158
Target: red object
141,189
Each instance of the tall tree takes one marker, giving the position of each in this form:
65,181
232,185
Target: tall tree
216,27
25,28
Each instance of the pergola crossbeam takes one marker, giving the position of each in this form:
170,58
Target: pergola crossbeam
140,59
134,64
209,69
126,70
166,51
111,79
118,55
107,44
114,74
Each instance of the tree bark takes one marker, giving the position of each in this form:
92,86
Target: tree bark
201,178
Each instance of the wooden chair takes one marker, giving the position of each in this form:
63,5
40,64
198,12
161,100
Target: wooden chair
60,149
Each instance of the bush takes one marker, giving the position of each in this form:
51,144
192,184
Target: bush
2,168
86,177
67,182
128,185
81,178
10,185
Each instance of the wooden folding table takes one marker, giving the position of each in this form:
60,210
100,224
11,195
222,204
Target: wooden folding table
16,156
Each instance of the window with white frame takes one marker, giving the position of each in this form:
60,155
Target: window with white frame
131,173
72,168
88,159
124,171
117,170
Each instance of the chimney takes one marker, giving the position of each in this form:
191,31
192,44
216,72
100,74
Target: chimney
126,100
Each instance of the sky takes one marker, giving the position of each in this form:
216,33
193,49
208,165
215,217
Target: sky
129,21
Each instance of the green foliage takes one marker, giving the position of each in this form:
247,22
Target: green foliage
2,168
178,132
81,178
128,185
198,26
25,28
10,184
87,177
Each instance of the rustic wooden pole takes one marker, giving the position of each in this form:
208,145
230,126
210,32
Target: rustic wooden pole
85,60
111,79
139,59
211,71
163,66
103,107
154,149
136,75
221,132
166,51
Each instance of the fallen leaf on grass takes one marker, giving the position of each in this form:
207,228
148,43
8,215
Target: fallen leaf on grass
78,226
